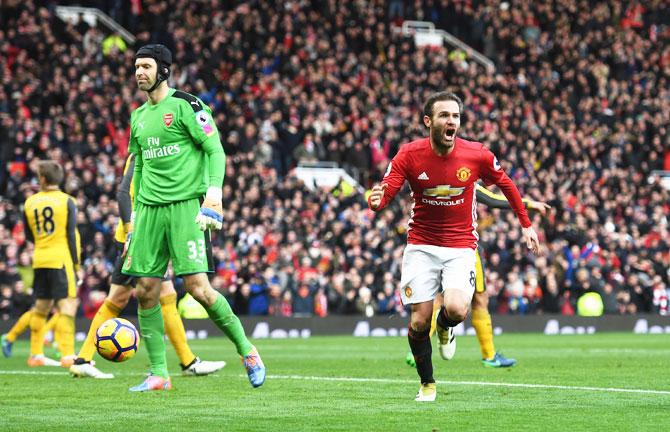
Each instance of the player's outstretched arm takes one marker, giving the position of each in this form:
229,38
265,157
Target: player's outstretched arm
539,206
514,197
491,199
495,200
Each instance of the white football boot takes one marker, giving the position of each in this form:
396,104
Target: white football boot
203,367
88,370
446,342
427,393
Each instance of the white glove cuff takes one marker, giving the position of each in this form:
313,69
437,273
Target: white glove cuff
214,194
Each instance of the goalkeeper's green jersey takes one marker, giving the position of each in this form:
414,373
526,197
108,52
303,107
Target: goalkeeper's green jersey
175,141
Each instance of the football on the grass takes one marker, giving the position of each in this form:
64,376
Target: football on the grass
117,340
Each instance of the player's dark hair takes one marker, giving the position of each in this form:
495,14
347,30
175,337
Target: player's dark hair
51,171
163,57
441,96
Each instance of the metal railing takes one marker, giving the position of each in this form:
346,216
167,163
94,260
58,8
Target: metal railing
93,16
428,28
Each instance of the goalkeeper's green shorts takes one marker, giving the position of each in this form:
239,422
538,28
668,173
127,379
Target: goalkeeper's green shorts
164,233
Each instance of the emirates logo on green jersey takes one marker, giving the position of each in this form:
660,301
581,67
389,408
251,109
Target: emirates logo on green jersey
156,151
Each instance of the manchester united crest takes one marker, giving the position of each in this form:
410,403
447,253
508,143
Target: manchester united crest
408,291
463,173
167,119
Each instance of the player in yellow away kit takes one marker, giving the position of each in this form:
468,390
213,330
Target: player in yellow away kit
481,319
50,223
22,324
119,295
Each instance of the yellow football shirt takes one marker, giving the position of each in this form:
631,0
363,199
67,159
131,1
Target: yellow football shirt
51,224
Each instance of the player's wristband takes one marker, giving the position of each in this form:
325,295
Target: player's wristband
214,194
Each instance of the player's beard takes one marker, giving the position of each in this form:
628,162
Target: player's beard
147,84
439,139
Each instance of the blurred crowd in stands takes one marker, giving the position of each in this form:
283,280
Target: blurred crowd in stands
577,111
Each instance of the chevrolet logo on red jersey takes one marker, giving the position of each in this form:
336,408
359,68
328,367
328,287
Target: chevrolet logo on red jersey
443,191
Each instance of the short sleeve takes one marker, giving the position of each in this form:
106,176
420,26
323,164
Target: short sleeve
200,124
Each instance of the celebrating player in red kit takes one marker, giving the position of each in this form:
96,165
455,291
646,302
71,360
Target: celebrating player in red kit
442,236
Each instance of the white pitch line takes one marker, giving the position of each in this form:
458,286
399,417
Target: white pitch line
402,381
473,383
30,372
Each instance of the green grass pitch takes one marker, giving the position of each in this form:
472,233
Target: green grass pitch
608,382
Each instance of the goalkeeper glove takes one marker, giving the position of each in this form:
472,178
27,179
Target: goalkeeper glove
211,211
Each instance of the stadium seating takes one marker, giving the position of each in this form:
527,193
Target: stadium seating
577,111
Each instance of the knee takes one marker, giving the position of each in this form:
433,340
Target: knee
42,309
119,296
456,312
146,289
141,291
68,306
420,324
195,288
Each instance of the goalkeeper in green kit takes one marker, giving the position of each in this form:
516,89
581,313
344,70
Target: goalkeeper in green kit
179,160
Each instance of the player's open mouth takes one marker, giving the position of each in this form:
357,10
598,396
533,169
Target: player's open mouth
450,132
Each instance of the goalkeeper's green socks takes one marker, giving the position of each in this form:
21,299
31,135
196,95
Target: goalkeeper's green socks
153,331
229,323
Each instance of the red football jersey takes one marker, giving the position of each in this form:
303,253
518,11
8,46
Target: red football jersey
443,188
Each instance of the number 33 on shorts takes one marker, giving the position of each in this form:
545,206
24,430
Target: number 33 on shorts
196,251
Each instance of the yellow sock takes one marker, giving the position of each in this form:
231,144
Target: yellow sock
174,328
433,321
22,324
481,321
52,322
37,323
107,311
65,335
50,325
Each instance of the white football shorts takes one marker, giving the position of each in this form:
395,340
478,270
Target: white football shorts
428,269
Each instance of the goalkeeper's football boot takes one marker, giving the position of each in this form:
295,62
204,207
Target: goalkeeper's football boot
427,393
499,361
153,382
446,341
255,368
87,369
6,346
409,359
202,367
41,360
